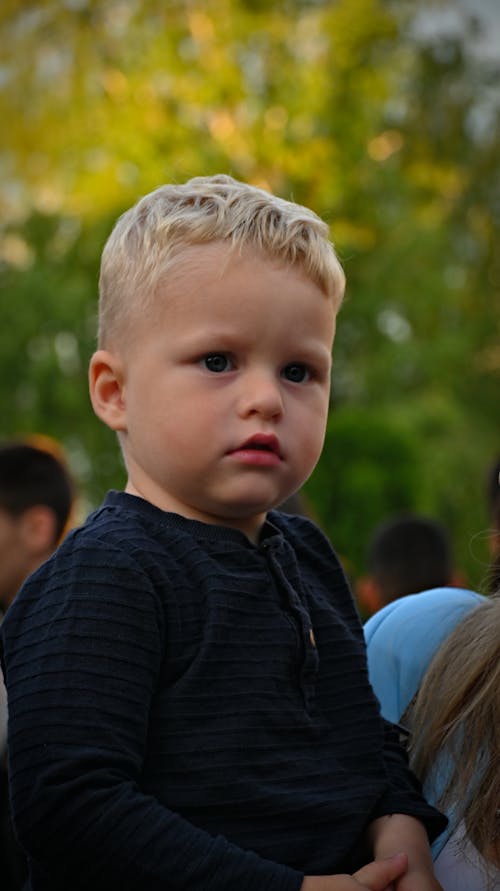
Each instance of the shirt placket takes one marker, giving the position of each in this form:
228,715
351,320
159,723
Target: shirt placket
283,566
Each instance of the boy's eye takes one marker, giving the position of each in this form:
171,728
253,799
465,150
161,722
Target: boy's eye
217,362
296,372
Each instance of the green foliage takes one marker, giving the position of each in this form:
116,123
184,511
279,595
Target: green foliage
366,471
392,135
416,456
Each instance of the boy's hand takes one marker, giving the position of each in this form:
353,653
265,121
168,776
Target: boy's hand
376,876
418,880
399,832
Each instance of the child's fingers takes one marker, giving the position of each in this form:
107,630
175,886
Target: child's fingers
379,875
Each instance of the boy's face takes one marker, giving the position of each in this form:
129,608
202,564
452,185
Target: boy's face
222,401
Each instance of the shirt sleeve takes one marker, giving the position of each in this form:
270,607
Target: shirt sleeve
81,652
405,794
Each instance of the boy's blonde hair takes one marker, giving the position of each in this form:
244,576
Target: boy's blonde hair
149,238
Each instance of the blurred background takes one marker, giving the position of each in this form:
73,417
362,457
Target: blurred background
382,116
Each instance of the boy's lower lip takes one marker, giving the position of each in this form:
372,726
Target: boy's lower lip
256,457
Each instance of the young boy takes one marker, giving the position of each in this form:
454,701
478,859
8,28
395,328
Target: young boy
188,693
36,499
407,553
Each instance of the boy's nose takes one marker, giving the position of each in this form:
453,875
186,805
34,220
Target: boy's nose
261,395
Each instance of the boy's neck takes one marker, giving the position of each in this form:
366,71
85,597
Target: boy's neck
250,526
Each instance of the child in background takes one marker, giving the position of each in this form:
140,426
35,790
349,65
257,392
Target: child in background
403,637
455,748
36,502
407,553
190,706
434,662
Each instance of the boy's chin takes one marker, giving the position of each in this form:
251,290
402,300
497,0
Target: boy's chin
255,511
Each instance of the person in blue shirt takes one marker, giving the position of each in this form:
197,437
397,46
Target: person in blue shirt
188,692
403,637
434,662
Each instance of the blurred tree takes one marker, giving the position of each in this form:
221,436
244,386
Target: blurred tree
367,472
388,127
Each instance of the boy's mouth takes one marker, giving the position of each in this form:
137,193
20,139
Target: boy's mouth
264,444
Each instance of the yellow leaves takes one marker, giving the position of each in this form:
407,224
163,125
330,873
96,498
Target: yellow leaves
47,198
358,236
15,251
440,186
276,117
115,83
447,180
355,25
381,147
221,125
201,26
144,91
231,136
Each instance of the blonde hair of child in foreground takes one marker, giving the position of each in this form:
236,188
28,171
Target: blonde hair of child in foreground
151,238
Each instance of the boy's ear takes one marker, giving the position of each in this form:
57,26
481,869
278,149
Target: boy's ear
106,385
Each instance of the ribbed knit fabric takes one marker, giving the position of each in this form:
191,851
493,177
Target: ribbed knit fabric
191,711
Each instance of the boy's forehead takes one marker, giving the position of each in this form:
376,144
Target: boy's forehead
218,290
226,279
174,282
213,261
200,260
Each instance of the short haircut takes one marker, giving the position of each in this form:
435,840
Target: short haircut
149,238
409,554
30,476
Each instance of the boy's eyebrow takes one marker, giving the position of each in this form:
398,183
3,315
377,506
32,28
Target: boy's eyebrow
304,350
216,336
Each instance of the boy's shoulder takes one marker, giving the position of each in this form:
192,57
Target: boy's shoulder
302,532
131,530
118,536
116,524
120,515
123,518
293,524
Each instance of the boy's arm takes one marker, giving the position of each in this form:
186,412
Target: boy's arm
405,793
399,832
82,651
